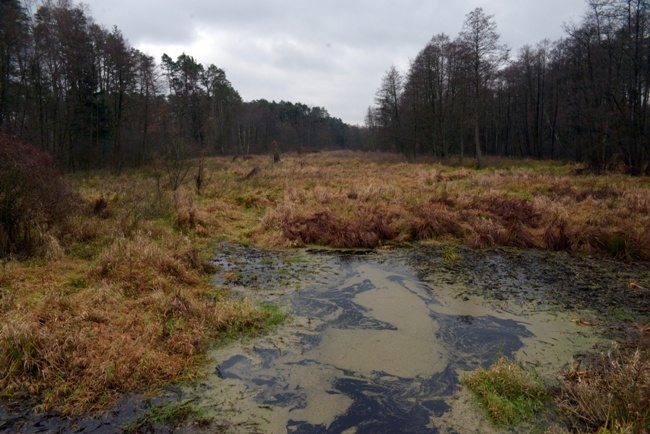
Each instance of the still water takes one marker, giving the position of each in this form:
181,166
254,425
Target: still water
374,347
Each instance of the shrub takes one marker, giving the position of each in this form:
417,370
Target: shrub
34,198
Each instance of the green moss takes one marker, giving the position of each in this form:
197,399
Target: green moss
274,315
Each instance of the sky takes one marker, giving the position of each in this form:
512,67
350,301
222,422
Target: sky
326,53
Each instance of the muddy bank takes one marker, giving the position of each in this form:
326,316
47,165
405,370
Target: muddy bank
379,339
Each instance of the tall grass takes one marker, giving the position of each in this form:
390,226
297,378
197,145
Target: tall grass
343,201
127,303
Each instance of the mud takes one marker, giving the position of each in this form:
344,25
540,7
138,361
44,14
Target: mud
378,341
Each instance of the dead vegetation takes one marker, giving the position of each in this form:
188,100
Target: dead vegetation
119,301
118,298
610,390
343,201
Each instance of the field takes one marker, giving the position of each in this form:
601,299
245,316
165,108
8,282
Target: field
120,299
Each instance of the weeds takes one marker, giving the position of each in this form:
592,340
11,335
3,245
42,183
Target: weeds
610,392
509,392
449,254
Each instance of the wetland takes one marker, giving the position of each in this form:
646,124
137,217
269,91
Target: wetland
378,341
160,309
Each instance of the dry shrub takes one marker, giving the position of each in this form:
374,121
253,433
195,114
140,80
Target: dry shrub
434,219
590,238
509,209
518,235
368,228
100,208
611,392
317,228
34,199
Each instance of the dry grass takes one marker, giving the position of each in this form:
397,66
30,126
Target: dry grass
353,200
610,392
120,298
122,301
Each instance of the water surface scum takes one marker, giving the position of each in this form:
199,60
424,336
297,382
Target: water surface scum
378,340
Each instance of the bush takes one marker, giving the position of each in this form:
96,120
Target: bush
34,198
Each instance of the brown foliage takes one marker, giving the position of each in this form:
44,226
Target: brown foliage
368,229
34,198
435,220
510,210
556,236
610,391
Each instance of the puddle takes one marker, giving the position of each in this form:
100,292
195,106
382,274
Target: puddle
373,348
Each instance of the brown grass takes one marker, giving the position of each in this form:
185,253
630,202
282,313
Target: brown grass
120,298
610,392
345,200
120,302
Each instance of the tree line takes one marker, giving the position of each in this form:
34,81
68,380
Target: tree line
80,92
583,97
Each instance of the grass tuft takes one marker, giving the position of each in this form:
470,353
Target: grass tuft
510,393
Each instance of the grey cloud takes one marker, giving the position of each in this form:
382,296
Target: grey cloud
327,53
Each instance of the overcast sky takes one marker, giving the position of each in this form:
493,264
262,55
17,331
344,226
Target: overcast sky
328,53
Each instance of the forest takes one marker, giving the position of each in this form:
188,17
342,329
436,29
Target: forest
581,98
80,92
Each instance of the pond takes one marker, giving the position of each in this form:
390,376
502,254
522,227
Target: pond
378,341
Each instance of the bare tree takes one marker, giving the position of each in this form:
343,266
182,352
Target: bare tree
388,102
485,56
